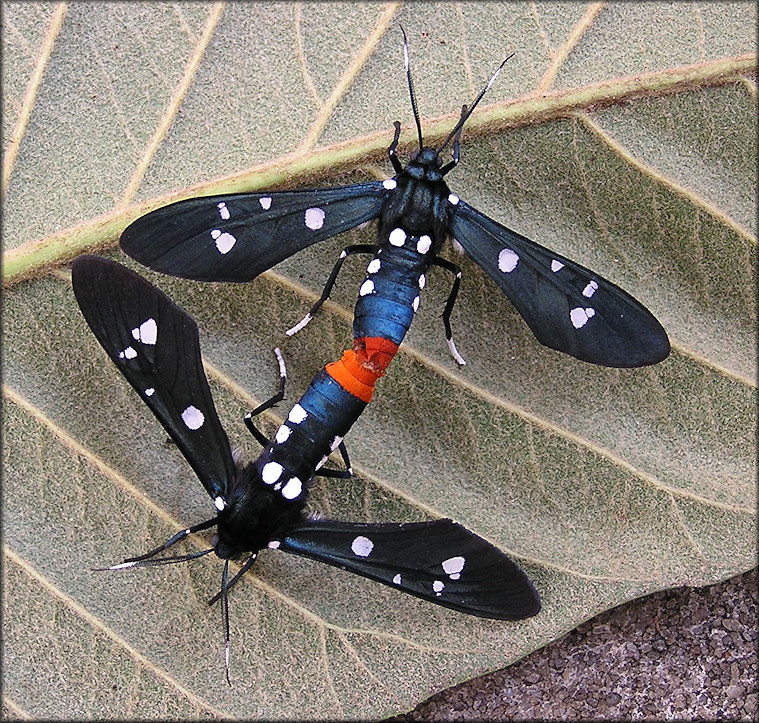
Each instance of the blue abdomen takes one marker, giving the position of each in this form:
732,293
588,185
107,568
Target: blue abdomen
314,426
389,296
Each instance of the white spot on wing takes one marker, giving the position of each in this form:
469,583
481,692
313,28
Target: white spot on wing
223,210
389,184
422,280
453,199
438,586
507,260
424,244
297,414
374,266
590,289
265,202
397,579
397,237
580,316
128,353
147,332
366,288
453,567
224,241
335,443
314,218
274,544
556,265
415,304
219,503
149,392
292,489
362,546
193,417
271,472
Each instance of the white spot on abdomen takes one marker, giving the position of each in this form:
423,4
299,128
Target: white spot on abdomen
453,567
193,417
397,237
507,260
147,332
366,288
223,210
224,241
314,218
282,435
271,472
580,316
292,489
265,202
590,289
362,546
297,414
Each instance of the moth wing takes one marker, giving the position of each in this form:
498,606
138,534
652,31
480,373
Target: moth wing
155,346
567,307
440,561
238,236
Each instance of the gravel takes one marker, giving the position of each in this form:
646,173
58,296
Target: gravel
683,654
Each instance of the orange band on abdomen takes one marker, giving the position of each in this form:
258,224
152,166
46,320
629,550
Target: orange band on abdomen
352,376
360,367
379,351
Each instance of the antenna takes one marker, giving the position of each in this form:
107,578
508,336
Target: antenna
411,88
466,115
225,617
142,562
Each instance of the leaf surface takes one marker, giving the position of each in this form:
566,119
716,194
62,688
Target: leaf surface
621,135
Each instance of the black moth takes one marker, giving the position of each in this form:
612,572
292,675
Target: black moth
238,236
155,346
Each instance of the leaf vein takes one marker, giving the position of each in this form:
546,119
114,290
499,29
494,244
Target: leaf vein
99,625
347,79
170,113
30,96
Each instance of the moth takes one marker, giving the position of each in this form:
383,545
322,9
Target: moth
261,504
236,237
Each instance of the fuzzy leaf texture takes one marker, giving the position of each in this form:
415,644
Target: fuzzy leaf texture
622,135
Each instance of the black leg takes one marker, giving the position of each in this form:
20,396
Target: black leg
278,397
456,147
346,473
397,166
456,271
347,251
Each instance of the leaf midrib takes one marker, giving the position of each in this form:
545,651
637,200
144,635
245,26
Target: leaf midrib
33,258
